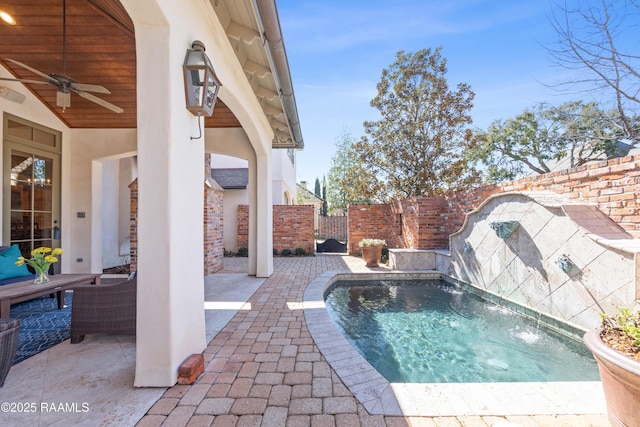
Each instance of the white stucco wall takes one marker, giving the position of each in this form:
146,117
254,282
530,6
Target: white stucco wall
96,189
232,199
284,178
220,161
115,207
110,213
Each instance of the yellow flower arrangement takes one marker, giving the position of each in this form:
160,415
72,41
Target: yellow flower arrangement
41,259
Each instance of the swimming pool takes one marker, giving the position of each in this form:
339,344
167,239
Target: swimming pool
431,331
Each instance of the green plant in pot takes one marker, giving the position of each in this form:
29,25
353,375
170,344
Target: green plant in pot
616,348
372,251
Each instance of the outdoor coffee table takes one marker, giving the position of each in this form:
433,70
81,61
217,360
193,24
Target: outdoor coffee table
27,290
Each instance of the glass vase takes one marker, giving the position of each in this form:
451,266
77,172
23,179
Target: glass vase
41,277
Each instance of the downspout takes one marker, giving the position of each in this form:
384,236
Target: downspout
270,28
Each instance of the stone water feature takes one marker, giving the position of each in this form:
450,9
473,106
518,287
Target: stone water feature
564,259
542,251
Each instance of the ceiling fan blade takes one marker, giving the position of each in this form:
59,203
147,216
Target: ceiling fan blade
90,88
99,101
33,70
34,82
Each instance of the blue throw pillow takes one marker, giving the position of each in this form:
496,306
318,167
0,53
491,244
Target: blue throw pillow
8,267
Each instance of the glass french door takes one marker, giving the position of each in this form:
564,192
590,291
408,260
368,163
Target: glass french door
31,188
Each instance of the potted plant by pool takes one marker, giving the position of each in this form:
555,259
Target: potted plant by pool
371,251
616,348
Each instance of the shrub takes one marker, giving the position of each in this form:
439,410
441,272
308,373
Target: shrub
243,251
300,252
286,252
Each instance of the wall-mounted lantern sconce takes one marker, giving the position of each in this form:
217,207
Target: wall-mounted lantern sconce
201,84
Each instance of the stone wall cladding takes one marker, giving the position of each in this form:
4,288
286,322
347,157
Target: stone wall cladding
427,222
523,268
293,227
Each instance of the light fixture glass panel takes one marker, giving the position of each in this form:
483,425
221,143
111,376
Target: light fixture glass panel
201,83
212,91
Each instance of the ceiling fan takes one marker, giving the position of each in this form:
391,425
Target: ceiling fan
63,82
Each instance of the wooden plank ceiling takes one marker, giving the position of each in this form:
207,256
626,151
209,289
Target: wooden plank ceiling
100,50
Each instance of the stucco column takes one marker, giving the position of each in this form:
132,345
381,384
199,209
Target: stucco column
263,232
260,243
170,314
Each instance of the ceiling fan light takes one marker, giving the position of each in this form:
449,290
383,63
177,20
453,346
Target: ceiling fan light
7,18
63,98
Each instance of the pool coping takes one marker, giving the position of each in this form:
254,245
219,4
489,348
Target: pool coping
381,397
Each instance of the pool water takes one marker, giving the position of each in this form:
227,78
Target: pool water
433,332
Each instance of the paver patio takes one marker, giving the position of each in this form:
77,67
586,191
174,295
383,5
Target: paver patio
264,369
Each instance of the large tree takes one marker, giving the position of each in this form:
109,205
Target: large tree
535,139
316,191
346,176
325,206
598,41
417,146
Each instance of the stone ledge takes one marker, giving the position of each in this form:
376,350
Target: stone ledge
412,259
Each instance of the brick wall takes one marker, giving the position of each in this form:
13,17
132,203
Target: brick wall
213,224
243,226
334,227
611,185
427,222
133,226
293,227
370,222
213,232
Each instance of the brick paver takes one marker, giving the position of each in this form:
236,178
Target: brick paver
263,369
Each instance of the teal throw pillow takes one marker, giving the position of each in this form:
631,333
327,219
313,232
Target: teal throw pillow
8,267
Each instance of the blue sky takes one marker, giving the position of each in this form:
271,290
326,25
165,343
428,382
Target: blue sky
338,48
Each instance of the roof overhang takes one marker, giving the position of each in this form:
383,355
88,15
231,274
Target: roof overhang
101,50
253,29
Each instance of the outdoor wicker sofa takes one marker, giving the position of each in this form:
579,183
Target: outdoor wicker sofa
104,308
9,329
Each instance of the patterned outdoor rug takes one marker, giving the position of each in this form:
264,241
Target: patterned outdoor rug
42,325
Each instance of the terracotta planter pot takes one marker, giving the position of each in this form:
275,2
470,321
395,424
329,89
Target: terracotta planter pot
620,377
372,255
